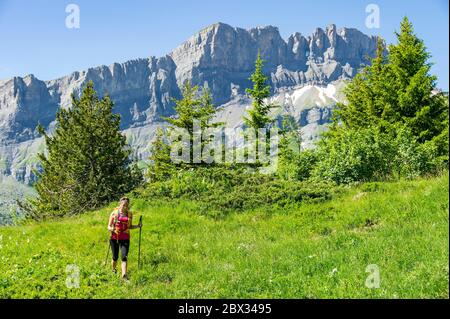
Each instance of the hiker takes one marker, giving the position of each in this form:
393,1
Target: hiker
120,223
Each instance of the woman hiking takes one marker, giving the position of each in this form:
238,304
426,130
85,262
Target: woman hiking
120,223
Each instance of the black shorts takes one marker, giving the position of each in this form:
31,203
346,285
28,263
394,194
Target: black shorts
123,246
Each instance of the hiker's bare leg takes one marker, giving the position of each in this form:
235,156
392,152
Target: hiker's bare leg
124,268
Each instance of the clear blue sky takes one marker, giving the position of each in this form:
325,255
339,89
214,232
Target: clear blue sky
34,38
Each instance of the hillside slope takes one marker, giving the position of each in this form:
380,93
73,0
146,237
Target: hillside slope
313,251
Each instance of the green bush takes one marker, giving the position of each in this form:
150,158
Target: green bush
367,154
297,166
350,155
223,189
274,193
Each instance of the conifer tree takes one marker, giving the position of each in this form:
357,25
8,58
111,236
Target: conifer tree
291,135
365,94
289,145
161,166
258,115
396,89
418,105
194,107
87,161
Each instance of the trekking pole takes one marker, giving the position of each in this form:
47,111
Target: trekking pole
107,253
139,251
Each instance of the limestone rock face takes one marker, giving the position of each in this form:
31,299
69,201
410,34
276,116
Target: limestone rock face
219,56
223,57
23,103
139,88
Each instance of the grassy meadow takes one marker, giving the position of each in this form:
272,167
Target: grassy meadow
313,250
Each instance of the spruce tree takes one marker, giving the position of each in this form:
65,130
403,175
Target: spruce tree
258,115
418,105
161,166
291,135
87,163
194,107
396,89
366,94
289,146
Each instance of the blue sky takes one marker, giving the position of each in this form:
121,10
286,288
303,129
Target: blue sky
34,38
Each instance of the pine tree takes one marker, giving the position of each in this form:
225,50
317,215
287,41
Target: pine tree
418,105
365,94
161,166
87,162
194,107
289,146
258,115
396,89
291,135
393,117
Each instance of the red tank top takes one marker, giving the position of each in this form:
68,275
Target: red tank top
121,225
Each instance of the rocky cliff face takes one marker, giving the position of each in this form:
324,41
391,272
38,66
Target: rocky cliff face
224,57
219,56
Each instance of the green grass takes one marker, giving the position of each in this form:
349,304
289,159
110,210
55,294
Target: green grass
317,250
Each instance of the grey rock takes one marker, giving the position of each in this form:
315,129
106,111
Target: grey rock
24,102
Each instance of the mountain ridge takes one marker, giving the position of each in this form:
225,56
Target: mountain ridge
219,56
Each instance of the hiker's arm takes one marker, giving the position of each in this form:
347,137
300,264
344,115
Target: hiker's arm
111,222
131,224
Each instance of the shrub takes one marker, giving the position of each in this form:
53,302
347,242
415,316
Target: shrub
297,166
353,155
366,154
223,189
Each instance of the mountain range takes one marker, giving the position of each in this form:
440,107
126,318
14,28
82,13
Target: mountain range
306,73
